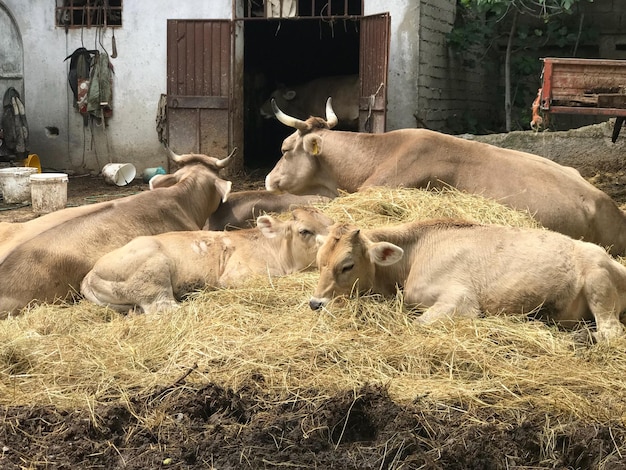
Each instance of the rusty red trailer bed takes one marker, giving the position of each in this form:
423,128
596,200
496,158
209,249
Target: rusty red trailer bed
584,86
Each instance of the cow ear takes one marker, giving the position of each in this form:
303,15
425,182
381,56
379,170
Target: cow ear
289,95
312,144
268,225
223,188
385,253
319,240
162,181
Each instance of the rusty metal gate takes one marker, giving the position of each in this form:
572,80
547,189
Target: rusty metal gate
199,86
374,65
204,86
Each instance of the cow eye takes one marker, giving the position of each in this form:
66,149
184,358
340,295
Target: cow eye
347,268
305,233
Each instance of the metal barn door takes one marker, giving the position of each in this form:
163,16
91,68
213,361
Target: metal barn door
198,86
374,65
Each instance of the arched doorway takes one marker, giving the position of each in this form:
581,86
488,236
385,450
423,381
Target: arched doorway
11,75
11,53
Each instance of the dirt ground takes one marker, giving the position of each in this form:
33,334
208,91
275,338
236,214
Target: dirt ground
206,426
89,189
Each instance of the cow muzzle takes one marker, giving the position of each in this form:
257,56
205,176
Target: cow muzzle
272,186
316,303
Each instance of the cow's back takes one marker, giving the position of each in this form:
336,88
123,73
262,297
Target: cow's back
507,269
55,257
555,195
243,207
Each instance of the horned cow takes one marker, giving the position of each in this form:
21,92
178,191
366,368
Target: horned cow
307,99
456,268
45,259
153,272
318,160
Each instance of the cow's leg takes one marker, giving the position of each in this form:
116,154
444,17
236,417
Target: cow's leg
147,284
451,302
161,305
605,303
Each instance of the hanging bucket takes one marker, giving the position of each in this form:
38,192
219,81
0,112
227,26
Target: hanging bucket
48,192
15,184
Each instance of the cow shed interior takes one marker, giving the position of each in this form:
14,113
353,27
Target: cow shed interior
289,51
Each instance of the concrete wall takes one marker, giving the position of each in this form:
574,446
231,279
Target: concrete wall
140,78
403,59
588,148
609,18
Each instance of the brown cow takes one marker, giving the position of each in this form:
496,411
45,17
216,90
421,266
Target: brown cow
243,207
152,272
45,259
318,160
307,99
456,268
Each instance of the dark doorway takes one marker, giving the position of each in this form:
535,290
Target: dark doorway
289,51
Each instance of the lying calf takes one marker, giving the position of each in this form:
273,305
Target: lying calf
152,272
455,268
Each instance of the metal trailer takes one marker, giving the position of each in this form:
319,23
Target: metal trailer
584,86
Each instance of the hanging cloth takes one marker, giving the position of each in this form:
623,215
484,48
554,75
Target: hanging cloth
100,94
14,125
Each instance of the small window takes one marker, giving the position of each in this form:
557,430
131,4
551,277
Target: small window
88,13
302,8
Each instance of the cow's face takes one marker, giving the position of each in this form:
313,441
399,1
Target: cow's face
347,263
222,187
197,168
297,237
299,170
283,97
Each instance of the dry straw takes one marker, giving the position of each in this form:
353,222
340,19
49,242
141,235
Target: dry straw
263,335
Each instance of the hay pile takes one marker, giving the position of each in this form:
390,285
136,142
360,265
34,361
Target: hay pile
263,335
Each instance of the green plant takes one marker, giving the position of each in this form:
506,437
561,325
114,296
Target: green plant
493,31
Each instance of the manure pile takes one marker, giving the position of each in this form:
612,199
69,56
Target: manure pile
252,378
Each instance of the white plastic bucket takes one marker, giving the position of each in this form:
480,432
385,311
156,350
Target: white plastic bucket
48,192
119,174
15,184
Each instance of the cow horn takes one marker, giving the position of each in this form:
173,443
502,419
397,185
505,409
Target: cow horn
331,117
224,162
286,119
175,157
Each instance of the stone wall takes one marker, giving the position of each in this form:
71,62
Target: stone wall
457,95
583,148
453,94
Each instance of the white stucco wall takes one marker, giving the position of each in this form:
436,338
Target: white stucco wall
139,80
403,59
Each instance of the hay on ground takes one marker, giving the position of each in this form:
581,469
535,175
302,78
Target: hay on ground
264,335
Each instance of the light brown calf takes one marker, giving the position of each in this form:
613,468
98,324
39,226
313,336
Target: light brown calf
153,272
452,268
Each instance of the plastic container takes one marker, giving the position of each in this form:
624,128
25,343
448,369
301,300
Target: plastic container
32,161
15,184
48,192
119,174
150,173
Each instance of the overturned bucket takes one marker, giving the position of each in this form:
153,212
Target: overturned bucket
48,192
119,174
15,184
